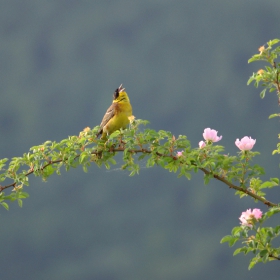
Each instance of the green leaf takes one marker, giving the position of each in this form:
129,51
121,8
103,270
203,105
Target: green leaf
233,241
272,211
237,251
114,134
226,238
264,254
262,94
23,195
5,205
240,250
207,178
251,79
230,239
252,244
252,263
276,180
111,160
276,152
85,168
107,165
184,173
235,231
19,203
272,89
273,42
142,156
49,170
254,58
273,116
150,162
83,157
277,230
268,184
135,170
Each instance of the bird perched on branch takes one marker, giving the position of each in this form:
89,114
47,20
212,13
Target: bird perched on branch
117,115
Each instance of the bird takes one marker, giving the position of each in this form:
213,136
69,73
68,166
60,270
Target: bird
117,115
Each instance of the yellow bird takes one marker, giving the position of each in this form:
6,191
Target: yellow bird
117,115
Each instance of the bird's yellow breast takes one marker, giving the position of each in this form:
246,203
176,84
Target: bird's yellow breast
123,110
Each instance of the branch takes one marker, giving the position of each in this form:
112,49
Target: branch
232,186
32,171
122,148
274,257
277,81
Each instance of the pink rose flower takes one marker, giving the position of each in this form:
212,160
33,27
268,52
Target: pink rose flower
179,154
247,217
201,144
245,144
211,135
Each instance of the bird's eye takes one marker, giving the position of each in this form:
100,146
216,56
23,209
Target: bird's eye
116,93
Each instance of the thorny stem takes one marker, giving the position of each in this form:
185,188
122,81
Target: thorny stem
277,81
121,149
274,257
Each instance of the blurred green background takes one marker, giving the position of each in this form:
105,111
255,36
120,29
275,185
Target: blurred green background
184,65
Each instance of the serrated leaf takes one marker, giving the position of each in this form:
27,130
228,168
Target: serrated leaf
252,264
237,251
250,80
273,42
233,241
268,185
254,58
5,205
236,230
226,239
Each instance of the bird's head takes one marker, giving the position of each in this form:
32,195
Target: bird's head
120,95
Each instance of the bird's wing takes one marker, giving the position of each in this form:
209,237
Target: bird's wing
108,115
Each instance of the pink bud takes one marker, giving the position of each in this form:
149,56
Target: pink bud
211,135
245,144
201,144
